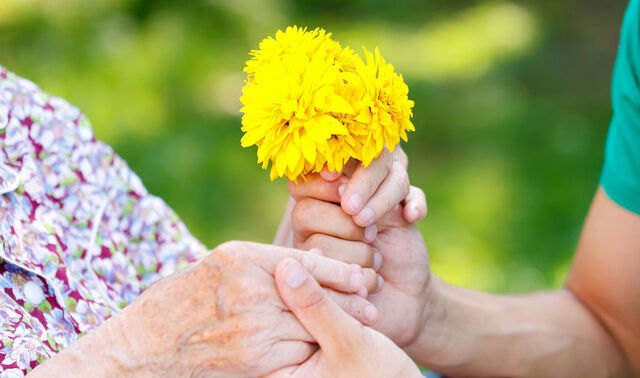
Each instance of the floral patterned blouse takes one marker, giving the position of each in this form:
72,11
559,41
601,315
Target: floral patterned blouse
80,235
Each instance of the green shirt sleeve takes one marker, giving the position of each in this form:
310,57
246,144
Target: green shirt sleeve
620,176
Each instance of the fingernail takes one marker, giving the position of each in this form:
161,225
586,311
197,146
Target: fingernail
371,313
362,292
355,202
380,283
341,189
294,276
366,215
377,261
370,233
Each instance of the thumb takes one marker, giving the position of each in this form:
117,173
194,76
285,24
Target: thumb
325,321
415,205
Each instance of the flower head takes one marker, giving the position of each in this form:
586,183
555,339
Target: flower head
308,103
295,40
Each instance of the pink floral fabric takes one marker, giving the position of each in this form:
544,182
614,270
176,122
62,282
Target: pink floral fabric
80,237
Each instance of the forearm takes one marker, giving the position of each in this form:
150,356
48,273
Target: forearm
468,333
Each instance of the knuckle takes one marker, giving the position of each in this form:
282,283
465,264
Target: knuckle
229,248
308,262
315,241
330,270
369,185
228,256
401,155
385,156
339,274
294,189
352,306
403,182
301,213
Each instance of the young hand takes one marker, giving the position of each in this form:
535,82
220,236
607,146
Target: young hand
346,348
365,194
398,253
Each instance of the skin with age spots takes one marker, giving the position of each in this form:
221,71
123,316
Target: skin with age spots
221,316
225,335
244,318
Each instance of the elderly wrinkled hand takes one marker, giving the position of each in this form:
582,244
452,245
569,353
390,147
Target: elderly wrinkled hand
219,316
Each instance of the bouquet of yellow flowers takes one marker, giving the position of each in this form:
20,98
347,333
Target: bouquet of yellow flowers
308,103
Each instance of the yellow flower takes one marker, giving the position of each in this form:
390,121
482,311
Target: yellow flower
290,109
308,103
384,107
296,40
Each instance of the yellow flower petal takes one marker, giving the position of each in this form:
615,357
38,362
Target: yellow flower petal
308,102
308,148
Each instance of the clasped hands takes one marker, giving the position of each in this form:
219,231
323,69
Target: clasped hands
364,217
340,304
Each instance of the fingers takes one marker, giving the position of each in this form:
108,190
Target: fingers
400,156
331,327
350,167
330,175
312,216
364,182
338,275
391,192
335,274
371,280
358,307
291,329
351,252
331,273
354,305
317,187
289,353
415,205
310,369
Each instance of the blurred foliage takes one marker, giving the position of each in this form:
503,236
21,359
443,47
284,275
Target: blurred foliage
512,107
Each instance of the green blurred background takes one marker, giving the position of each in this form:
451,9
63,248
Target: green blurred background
512,108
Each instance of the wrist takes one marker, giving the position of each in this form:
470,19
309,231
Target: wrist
429,344
124,353
99,353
